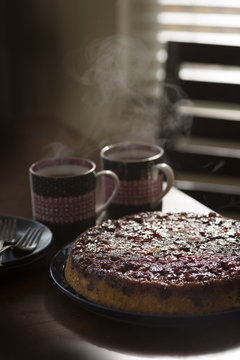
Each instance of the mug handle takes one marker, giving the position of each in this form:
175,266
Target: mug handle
168,172
115,190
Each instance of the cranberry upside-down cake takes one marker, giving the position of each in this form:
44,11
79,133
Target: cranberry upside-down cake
156,263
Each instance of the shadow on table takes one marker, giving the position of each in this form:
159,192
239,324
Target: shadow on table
190,338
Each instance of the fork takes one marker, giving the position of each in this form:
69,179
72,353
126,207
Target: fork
28,242
8,233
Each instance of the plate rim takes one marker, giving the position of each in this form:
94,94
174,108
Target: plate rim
128,316
32,257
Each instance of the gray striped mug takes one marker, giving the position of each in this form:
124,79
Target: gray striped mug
144,178
63,194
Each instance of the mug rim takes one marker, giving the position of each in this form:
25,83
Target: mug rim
107,148
42,164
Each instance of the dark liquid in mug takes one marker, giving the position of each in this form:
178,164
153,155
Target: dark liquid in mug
131,155
61,175
63,171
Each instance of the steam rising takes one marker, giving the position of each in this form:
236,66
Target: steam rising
117,106
109,59
59,150
114,106
172,121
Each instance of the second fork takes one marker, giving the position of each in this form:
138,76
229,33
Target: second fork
8,233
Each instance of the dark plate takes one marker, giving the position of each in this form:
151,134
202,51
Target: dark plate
15,258
57,267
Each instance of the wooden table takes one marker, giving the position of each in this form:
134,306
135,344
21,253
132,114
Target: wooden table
39,322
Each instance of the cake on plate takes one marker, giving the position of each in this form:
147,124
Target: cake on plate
156,263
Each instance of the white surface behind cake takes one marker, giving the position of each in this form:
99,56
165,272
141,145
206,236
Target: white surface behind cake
179,201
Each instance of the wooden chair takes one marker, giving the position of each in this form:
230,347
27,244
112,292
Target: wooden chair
200,122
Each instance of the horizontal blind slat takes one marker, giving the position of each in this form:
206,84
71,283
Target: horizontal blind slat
213,4
156,22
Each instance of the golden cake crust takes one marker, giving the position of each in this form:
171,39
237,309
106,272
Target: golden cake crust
155,263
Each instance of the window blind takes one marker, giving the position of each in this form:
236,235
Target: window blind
205,162
155,22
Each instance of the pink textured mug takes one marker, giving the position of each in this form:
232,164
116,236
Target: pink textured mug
141,172
63,195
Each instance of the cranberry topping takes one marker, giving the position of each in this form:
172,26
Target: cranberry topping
172,248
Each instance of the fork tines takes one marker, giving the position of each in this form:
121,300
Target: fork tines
30,239
8,230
